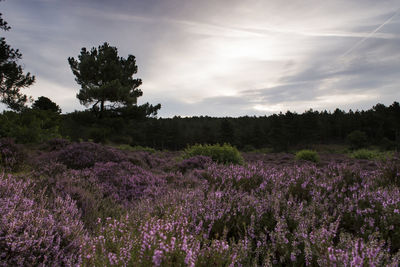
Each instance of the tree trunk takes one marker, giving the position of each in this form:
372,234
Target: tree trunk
102,106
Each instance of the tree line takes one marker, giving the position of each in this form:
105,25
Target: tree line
379,126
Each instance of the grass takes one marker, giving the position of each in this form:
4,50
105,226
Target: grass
136,148
371,154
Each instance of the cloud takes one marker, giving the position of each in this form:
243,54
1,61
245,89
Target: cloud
210,58
57,93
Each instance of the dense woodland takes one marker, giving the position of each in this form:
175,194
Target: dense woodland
381,126
378,126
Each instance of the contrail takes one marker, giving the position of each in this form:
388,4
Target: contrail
370,34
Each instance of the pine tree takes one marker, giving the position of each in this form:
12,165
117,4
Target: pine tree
12,78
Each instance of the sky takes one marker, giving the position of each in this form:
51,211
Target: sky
219,58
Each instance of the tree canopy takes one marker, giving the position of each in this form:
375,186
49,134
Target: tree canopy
44,103
105,77
12,78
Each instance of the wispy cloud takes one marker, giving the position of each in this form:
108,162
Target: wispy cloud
371,34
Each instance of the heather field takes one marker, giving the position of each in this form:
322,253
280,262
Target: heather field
85,204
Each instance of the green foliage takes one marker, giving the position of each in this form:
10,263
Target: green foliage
364,154
30,126
371,154
283,132
219,153
308,155
330,148
357,139
44,103
227,132
104,76
12,78
136,148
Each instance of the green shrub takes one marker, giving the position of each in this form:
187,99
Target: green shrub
330,148
371,154
219,153
136,148
357,139
308,155
364,154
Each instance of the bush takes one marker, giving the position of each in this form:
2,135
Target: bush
308,155
364,154
221,154
357,139
86,154
371,154
11,155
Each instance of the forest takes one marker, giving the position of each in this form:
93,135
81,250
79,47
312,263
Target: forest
378,127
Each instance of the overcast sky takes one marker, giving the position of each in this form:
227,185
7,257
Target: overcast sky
220,58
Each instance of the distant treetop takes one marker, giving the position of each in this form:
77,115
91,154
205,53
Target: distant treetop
44,103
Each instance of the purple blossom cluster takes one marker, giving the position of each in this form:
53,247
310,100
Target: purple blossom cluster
34,230
196,162
153,241
86,154
11,155
142,209
312,207
155,162
125,182
302,215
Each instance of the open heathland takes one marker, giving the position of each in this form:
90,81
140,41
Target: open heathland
87,204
